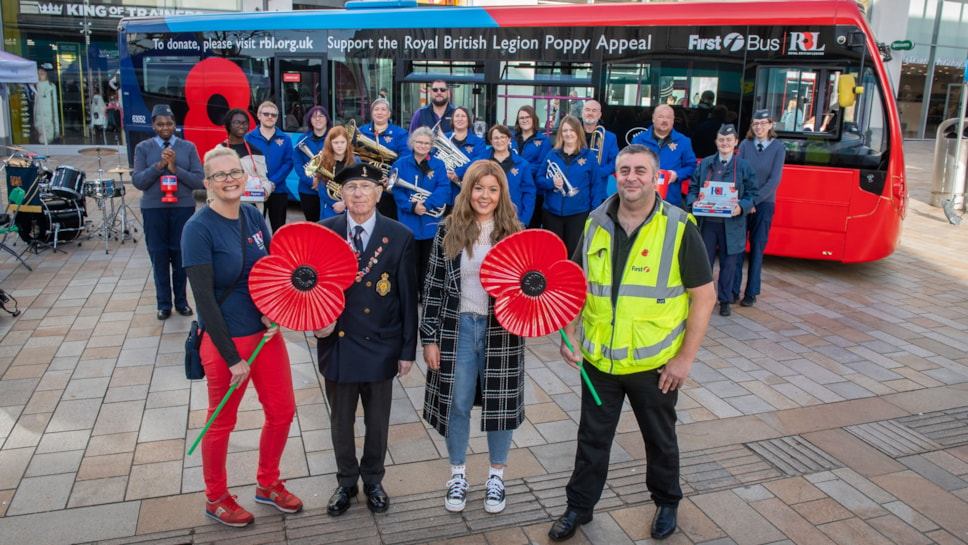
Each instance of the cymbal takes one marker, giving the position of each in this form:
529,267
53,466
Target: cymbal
120,170
16,148
98,151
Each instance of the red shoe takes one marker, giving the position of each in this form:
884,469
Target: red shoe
226,511
277,496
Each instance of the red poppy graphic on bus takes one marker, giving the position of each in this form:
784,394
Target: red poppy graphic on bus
232,85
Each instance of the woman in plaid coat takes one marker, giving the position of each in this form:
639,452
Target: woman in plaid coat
463,343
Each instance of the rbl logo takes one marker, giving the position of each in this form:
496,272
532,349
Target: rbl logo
805,42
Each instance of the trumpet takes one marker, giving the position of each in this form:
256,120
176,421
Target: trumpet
598,142
369,150
446,151
419,194
554,171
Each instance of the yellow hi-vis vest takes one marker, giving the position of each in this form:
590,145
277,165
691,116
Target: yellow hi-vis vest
647,325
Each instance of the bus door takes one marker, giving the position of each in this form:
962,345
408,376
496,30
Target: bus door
465,79
554,89
300,85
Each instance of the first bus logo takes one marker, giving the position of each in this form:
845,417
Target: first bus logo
804,43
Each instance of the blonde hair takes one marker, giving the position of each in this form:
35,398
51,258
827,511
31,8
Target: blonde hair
217,151
462,226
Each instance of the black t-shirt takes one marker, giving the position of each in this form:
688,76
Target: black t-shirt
693,260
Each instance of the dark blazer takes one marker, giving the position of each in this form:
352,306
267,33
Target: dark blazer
744,177
375,331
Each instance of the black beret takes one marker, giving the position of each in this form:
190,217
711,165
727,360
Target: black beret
359,171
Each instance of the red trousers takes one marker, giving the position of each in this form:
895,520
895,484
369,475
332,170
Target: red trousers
272,377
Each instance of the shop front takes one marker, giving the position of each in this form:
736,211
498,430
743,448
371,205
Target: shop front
75,45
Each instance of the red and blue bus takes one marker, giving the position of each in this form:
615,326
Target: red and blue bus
813,64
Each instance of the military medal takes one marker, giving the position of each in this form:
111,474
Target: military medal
383,285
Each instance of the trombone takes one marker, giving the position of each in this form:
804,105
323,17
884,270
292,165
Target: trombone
554,171
598,142
315,169
419,194
369,150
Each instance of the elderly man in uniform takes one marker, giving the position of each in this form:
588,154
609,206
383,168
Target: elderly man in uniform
601,141
155,158
373,340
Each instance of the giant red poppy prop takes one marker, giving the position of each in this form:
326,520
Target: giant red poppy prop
300,284
536,289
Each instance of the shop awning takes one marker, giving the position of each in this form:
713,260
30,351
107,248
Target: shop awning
14,69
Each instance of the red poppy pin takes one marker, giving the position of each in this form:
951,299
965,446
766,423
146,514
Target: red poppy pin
300,284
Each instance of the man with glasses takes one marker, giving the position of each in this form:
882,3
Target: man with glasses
277,149
439,110
156,158
373,340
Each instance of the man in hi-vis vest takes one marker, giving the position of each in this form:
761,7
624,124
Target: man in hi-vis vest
650,295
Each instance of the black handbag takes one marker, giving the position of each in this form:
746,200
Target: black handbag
193,356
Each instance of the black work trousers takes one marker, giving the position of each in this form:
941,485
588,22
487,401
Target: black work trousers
656,416
343,398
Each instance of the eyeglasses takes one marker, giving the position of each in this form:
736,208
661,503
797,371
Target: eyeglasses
439,89
235,174
421,143
240,122
318,116
363,189
269,114
761,123
499,137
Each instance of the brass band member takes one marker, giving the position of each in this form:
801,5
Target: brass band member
336,156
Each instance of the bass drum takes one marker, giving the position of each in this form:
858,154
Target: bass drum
64,216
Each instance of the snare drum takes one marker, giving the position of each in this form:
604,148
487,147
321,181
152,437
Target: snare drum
68,182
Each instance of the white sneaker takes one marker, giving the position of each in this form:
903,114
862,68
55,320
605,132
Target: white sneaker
494,498
456,494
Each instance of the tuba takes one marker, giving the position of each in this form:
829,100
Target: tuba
554,171
598,142
369,150
315,169
419,194
446,151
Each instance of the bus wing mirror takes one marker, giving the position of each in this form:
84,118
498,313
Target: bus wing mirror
847,90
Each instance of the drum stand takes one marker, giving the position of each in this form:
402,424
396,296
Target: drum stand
127,225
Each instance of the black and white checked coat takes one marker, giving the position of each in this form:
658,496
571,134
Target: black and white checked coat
502,393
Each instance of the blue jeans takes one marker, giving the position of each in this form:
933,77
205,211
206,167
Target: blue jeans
468,368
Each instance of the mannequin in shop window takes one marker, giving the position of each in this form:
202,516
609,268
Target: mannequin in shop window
99,120
46,121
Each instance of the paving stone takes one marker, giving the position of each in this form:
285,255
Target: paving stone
73,525
40,494
854,531
736,518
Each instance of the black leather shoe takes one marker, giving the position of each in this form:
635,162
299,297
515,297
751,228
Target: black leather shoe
339,502
748,301
376,498
567,524
187,311
664,522
164,314
724,309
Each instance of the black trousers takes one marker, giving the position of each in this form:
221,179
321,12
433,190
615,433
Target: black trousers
655,413
275,209
343,398
568,228
424,249
310,206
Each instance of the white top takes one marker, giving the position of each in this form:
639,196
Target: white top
473,298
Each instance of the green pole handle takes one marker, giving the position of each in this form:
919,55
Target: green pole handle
584,375
227,395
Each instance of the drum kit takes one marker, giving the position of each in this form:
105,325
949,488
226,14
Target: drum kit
54,210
